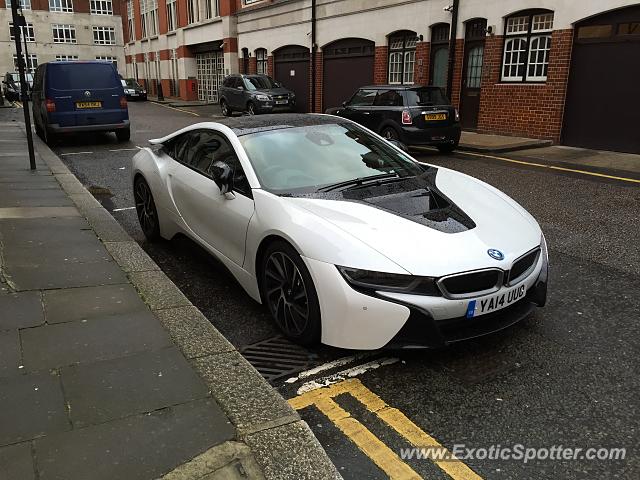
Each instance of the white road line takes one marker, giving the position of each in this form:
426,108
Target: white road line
121,209
139,148
75,153
340,362
344,374
124,150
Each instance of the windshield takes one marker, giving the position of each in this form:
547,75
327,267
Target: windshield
16,78
131,83
308,158
259,83
427,96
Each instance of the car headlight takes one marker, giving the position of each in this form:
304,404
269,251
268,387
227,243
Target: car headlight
389,282
457,115
264,98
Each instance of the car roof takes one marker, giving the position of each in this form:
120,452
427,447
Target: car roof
260,123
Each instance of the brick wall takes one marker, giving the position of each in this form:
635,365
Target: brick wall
317,107
270,65
533,110
421,68
380,65
456,84
253,65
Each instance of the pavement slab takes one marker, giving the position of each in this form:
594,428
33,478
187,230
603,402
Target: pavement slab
16,462
140,447
34,198
90,303
21,310
9,353
103,391
31,406
52,346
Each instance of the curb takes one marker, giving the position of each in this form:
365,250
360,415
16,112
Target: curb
281,442
469,147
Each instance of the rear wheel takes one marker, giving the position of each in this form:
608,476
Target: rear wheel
146,210
49,137
390,133
289,292
226,111
123,134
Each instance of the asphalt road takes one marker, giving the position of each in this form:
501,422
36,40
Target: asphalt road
566,376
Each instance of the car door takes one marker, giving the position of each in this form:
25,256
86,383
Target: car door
387,107
220,221
359,107
237,93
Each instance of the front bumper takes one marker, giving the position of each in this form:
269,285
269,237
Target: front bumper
415,136
271,106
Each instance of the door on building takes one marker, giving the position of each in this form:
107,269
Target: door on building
439,55
348,66
210,74
475,32
602,109
292,70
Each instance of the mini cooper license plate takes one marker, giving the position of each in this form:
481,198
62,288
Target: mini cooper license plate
434,117
475,308
88,104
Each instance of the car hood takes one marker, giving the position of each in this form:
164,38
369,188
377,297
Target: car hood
273,91
483,219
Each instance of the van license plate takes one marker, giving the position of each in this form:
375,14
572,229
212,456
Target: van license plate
88,104
431,117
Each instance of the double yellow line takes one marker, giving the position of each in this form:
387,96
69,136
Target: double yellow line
385,458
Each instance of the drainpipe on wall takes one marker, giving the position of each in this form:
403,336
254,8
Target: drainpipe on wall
313,55
452,46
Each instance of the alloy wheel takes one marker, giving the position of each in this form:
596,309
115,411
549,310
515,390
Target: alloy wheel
251,109
390,134
286,294
145,207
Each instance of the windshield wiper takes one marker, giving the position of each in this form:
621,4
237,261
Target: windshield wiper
356,181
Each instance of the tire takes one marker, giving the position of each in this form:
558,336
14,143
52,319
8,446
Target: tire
146,210
226,110
49,138
251,108
123,134
447,148
289,293
390,133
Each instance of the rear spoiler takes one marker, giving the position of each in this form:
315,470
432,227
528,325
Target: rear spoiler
158,141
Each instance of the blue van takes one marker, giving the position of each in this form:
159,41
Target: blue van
71,97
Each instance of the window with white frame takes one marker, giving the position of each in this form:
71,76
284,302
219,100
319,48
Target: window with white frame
261,61
24,4
65,6
402,57
193,11
104,36
26,33
527,44
172,15
64,33
107,58
149,12
31,62
209,9
174,89
130,21
66,58
101,7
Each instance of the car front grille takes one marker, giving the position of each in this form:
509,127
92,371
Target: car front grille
281,97
480,282
523,266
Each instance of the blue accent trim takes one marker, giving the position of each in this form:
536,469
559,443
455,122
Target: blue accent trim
471,308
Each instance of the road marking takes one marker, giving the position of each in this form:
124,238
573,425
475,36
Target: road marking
343,374
178,109
122,209
75,153
340,362
374,448
17,104
553,167
124,150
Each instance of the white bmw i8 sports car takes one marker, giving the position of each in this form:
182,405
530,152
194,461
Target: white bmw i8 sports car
345,238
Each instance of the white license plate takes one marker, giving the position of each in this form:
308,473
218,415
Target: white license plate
475,308
281,102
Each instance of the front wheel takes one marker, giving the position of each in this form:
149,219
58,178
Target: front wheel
146,210
390,133
447,148
224,106
289,292
251,108
123,135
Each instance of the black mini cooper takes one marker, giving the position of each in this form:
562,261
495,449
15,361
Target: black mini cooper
412,114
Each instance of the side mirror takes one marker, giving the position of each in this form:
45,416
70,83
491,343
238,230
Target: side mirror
400,145
222,174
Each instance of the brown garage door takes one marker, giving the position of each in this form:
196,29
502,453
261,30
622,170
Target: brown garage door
603,98
348,65
292,70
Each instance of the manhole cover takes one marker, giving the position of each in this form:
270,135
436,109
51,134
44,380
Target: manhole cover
277,357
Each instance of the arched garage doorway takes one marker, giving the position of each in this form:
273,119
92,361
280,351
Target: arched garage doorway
292,70
348,65
602,109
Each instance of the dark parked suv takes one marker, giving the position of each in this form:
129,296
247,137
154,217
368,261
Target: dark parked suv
254,94
71,97
412,114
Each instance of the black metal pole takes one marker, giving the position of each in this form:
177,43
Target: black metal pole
452,46
18,22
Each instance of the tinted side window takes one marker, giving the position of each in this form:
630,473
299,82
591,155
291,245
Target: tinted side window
388,98
227,82
177,147
363,98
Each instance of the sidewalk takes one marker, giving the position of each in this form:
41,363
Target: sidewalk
483,143
106,370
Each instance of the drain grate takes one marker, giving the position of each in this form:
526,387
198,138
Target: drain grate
277,357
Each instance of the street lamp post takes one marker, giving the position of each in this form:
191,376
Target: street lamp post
18,23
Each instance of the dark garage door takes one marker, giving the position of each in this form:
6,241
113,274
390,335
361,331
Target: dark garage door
603,97
348,65
292,70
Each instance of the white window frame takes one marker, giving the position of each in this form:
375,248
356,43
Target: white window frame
149,13
68,33
63,6
193,11
66,58
24,4
29,36
526,30
402,59
262,62
101,7
104,35
172,15
131,21
29,62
